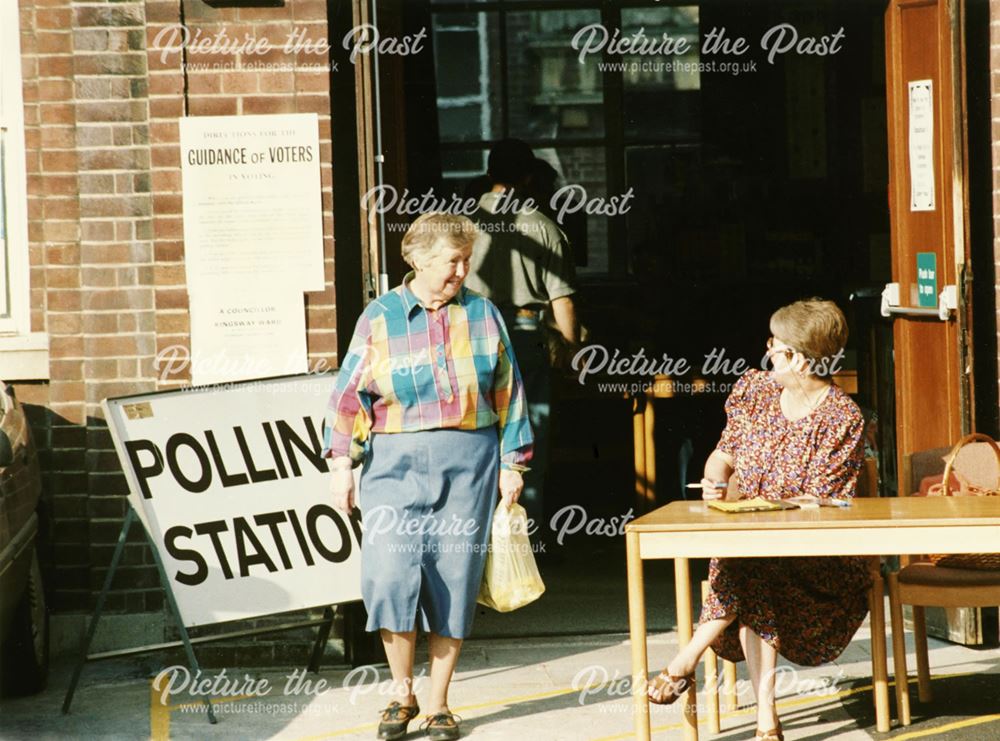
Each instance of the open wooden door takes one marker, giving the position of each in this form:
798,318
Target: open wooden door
930,298
929,224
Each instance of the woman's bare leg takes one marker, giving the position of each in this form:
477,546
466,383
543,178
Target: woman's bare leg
443,658
399,649
686,660
762,660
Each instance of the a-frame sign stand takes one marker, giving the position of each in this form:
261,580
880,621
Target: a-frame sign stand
325,623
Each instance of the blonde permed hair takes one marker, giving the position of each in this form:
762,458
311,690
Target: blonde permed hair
422,241
814,327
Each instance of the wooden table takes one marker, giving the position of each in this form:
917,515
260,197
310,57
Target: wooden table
870,527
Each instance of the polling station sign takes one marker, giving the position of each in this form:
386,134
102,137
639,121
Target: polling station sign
231,486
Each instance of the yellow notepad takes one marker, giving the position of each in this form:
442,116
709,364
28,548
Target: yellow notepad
757,504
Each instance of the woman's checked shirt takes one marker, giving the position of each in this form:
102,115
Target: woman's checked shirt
410,369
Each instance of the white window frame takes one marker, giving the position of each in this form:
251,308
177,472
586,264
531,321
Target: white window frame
23,354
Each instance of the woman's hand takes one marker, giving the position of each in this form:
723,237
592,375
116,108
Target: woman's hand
342,488
712,490
511,484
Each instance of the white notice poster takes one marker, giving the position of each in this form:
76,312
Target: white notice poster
921,140
252,201
239,335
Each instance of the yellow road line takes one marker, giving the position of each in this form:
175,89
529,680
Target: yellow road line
949,727
159,715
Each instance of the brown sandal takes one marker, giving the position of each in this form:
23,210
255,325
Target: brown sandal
775,734
674,686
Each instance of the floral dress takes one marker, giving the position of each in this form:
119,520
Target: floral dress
807,608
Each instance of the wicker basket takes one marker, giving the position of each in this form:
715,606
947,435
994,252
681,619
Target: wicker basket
979,561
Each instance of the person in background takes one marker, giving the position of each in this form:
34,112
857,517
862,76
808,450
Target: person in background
790,432
430,399
523,263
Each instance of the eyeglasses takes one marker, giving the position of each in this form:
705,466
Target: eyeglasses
788,352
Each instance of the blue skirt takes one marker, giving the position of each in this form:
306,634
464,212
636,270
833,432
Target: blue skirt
427,501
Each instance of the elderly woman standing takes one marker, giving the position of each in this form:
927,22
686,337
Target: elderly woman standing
790,432
429,397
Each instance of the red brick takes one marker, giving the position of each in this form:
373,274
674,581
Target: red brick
308,82
306,10
54,184
111,110
221,106
51,42
55,90
204,83
98,277
166,156
65,324
65,346
169,275
63,300
113,346
172,323
164,132
55,66
168,227
166,83
239,82
166,250
166,181
104,323
59,161
117,205
111,15
171,108
171,298
59,277
66,391
269,104
134,158
60,231
52,18
53,137
97,231
62,208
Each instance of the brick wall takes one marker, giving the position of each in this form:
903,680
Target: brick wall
106,246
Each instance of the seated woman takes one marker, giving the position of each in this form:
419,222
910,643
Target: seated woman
790,432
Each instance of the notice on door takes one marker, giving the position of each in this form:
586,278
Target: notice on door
921,143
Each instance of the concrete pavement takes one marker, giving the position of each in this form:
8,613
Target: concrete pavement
572,687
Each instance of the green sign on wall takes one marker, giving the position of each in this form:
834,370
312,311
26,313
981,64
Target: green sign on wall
927,291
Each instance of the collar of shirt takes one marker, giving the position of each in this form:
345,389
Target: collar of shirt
411,302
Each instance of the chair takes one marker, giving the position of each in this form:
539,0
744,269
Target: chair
867,487
923,584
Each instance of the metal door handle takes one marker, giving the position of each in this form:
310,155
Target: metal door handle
947,303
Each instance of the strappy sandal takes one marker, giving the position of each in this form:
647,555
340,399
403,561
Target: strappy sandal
775,734
395,719
674,687
441,726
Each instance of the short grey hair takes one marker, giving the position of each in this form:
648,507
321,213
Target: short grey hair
421,241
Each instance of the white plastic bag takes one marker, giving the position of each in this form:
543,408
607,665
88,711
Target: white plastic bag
511,578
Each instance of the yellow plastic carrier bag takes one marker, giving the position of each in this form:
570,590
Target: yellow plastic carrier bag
511,579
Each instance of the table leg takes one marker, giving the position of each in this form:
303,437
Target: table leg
682,581
637,636
880,677
711,678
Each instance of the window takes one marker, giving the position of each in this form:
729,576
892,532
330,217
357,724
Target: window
23,355
506,71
